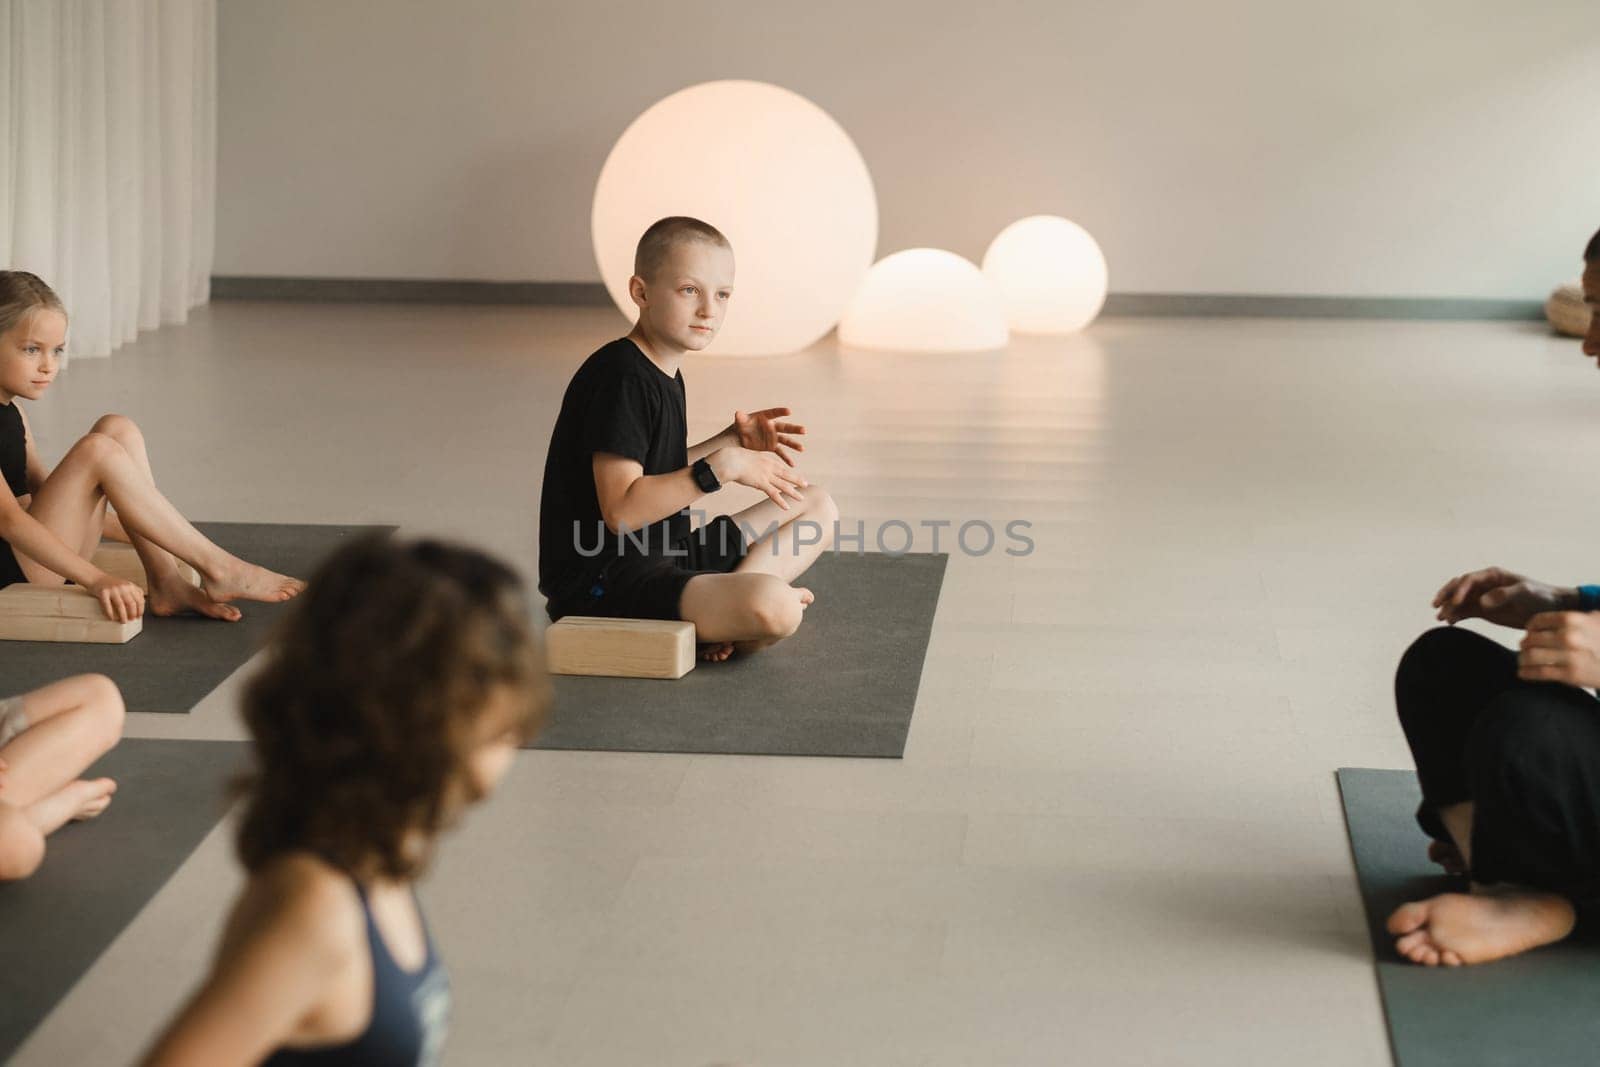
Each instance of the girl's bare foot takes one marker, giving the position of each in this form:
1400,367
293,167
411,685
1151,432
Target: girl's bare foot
1447,856
92,796
176,597
716,651
1457,928
245,581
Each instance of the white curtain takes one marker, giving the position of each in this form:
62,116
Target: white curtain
108,158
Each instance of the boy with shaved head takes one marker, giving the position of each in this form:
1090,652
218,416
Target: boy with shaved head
620,477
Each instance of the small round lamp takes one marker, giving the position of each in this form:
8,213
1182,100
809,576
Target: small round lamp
925,300
1050,273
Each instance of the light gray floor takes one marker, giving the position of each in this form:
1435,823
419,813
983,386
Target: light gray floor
1114,838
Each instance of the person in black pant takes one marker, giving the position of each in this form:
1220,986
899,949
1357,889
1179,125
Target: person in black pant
1507,747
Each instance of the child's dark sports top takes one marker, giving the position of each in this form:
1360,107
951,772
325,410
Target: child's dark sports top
618,402
410,1013
13,450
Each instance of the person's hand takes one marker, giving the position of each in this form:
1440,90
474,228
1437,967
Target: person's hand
4,767
120,599
1561,646
765,471
760,431
1499,596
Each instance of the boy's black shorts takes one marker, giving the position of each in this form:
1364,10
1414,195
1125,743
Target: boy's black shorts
650,586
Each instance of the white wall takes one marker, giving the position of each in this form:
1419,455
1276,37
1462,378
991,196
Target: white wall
1371,147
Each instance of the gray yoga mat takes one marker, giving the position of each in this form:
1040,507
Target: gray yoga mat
175,662
98,875
844,685
1536,1008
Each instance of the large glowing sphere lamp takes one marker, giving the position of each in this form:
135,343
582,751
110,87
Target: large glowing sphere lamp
925,300
771,170
1050,272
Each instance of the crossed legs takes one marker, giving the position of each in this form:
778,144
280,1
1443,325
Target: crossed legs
754,606
63,728
110,464
1504,766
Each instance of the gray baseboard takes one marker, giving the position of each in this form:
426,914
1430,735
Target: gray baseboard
593,294
407,291
1318,307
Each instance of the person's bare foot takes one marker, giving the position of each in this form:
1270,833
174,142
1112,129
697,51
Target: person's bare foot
177,597
716,651
1446,855
92,796
246,581
1454,929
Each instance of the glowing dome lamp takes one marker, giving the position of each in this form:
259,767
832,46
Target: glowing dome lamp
925,300
771,170
1050,273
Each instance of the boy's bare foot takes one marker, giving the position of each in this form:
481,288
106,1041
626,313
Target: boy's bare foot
1447,856
716,651
1457,928
92,796
245,581
176,597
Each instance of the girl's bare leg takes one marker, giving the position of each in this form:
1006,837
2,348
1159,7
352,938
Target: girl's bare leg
113,530
99,467
68,725
169,594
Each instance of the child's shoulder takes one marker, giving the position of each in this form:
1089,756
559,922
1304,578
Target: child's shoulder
304,878
615,362
619,355
304,899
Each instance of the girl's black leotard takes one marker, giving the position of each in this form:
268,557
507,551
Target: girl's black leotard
14,468
410,1013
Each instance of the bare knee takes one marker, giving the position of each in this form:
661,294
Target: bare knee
815,520
95,450
104,708
775,610
821,509
119,428
21,844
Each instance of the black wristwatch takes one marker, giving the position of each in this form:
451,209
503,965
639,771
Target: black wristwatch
705,477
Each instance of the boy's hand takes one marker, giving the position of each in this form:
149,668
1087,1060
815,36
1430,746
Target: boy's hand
760,431
1499,596
1562,646
765,471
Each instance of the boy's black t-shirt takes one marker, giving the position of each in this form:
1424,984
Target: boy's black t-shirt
619,402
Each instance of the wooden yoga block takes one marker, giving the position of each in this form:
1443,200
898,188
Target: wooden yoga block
620,648
1566,310
59,613
121,561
